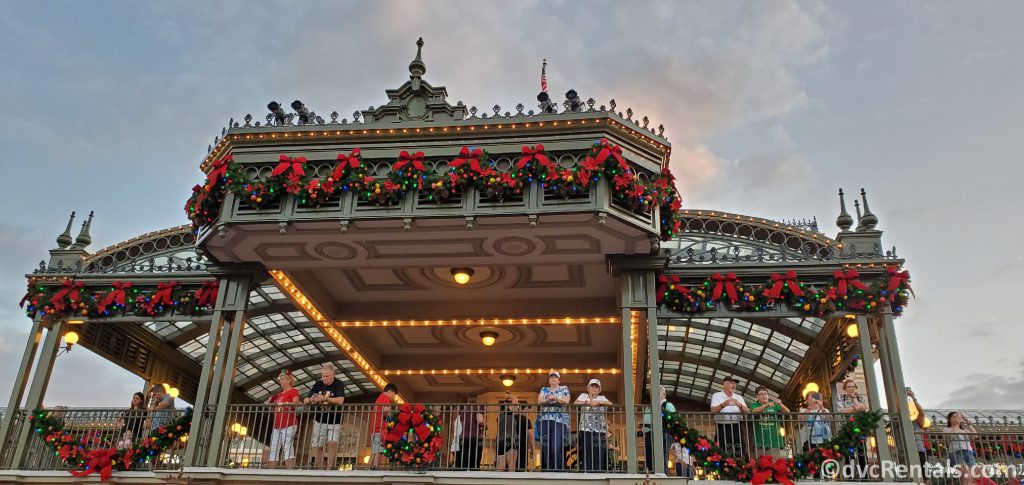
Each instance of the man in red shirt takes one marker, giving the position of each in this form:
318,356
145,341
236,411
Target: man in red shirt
379,422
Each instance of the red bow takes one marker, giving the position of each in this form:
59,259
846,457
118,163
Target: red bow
408,414
531,154
848,278
897,277
219,169
98,461
728,283
286,162
114,296
663,284
351,161
765,468
162,296
472,158
610,151
207,295
416,159
69,289
789,279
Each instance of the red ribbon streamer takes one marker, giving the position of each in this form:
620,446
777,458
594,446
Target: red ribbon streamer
728,283
766,468
896,277
286,162
207,294
851,278
535,153
416,160
472,158
69,289
219,168
117,295
98,461
780,281
410,416
351,161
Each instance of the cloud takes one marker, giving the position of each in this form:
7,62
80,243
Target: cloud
989,391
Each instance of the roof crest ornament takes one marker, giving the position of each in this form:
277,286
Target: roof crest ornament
844,221
83,239
870,220
64,239
417,68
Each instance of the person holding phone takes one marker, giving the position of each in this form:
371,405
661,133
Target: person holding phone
729,407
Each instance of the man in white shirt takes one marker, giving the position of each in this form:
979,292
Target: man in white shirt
728,407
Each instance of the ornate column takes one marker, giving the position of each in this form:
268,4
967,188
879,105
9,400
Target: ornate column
40,381
867,356
205,395
628,403
21,380
892,372
235,289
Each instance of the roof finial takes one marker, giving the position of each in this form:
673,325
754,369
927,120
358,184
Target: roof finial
870,220
64,239
417,68
83,239
860,221
844,221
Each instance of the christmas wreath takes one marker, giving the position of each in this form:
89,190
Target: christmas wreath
716,464
844,292
414,436
88,452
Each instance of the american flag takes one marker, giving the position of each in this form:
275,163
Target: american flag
544,77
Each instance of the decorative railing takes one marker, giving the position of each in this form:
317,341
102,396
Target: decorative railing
807,252
335,120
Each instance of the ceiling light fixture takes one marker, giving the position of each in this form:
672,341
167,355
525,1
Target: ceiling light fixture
488,338
507,380
462,275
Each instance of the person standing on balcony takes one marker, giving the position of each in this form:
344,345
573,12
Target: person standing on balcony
285,422
379,423
850,401
553,423
471,425
816,428
959,433
666,407
919,422
325,395
768,437
133,421
161,409
729,407
513,447
592,443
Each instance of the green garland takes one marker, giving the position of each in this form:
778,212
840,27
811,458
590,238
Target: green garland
844,292
470,168
74,299
79,451
713,460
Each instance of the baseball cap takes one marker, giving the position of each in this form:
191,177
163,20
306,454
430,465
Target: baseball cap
554,373
594,382
731,378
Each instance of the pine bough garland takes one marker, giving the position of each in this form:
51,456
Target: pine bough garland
74,299
713,460
844,292
86,452
470,168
